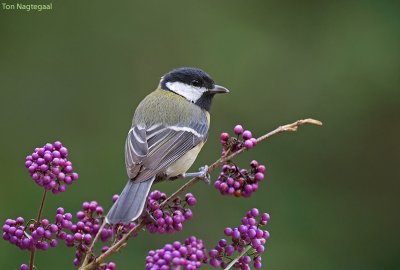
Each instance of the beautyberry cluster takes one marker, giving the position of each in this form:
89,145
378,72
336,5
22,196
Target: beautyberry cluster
244,138
81,234
248,236
239,182
171,218
38,235
50,168
188,256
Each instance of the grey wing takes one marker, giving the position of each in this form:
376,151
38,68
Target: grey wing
149,151
136,149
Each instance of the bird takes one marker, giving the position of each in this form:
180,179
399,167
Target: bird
169,128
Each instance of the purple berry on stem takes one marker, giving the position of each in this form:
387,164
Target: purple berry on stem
247,135
248,144
238,129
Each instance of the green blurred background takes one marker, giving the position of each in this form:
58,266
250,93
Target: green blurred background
76,74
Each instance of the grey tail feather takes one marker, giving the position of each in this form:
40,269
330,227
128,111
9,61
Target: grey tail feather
130,203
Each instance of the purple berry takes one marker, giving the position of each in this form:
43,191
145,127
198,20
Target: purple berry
248,144
254,163
254,212
87,238
40,231
57,144
257,265
265,217
63,152
259,176
238,129
68,180
254,141
53,243
261,169
115,198
74,176
247,135
228,231
20,220
224,136
191,201
215,263
68,169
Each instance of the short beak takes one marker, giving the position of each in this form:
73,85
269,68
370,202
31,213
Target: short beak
218,89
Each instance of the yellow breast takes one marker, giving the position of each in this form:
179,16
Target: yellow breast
184,163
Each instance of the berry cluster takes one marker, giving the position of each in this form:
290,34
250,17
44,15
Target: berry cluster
244,138
240,182
50,168
188,256
247,236
63,221
35,235
172,217
82,233
41,235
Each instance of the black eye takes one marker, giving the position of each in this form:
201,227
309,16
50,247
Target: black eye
196,83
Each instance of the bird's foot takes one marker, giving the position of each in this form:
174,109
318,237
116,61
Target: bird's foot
202,173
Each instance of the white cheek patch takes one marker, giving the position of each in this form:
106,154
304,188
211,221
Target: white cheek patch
190,92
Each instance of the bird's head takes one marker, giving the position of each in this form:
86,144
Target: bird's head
193,84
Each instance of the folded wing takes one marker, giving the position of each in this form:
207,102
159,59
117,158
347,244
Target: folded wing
150,150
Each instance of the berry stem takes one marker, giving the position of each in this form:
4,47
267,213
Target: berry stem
39,216
123,241
232,263
89,253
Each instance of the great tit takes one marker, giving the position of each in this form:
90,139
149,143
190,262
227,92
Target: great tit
169,128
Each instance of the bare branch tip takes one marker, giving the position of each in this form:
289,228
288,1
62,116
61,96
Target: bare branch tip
312,122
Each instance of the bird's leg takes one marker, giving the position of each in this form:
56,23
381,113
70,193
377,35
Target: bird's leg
202,173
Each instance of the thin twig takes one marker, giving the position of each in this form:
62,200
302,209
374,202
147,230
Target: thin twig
39,216
232,263
123,241
89,252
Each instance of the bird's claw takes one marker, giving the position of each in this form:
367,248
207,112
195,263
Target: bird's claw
202,174
205,174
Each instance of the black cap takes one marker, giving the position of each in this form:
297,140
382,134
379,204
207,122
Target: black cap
188,75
